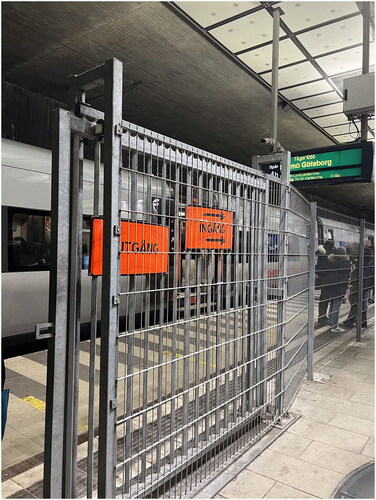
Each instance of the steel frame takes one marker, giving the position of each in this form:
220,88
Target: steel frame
222,382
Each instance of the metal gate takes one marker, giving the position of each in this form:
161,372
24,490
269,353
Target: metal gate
204,303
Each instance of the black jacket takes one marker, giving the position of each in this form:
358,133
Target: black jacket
368,272
322,269
340,269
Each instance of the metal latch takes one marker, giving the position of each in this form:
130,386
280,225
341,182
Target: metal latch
118,130
47,328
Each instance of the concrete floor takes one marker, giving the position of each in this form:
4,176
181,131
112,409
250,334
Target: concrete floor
333,436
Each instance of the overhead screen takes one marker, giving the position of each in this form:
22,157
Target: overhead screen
332,165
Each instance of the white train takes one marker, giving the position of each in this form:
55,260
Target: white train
26,226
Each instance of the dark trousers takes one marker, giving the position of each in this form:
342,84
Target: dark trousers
354,306
325,296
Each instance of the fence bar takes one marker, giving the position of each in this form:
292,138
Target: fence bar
93,338
73,354
360,281
311,292
113,73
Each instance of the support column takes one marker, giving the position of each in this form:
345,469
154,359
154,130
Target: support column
365,67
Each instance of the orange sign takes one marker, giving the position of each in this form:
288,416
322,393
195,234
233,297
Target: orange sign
144,248
208,228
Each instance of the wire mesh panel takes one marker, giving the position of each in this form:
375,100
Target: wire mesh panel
199,347
298,237
204,291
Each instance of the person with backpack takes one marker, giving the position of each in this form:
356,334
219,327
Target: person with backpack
324,280
340,269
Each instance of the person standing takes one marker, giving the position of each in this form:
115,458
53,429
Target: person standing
368,284
324,279
339,274
368,281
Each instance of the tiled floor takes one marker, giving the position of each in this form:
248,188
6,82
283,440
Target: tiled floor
333,436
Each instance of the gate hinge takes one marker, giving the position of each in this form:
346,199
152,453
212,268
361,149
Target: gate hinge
116,300
113,404
118,130
47,327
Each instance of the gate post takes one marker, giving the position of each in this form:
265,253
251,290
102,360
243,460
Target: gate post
58,307
311,292
360,281
113,82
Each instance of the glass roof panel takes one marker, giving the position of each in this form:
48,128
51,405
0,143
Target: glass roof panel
300,15
306,90
261,59
208,13
347,60
246,32
336,119
333,37
317,100
344,129
325,110
294,74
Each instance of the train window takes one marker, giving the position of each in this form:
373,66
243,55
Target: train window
29,240
86,224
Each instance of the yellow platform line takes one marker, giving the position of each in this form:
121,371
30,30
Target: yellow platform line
190,359
41,406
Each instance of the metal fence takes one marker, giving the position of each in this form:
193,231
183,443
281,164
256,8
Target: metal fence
205,290
201,353
344,258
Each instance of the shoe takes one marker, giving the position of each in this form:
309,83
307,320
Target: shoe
348,323
337,329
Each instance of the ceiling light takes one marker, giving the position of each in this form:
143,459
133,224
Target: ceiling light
308,19
213,14
235,4
251,22
297,5
332,11
230,30
257,55
318,34
343,27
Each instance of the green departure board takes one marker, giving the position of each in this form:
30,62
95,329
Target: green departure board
346,163
326,160
325,174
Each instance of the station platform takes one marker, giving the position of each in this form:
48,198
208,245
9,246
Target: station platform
328,434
